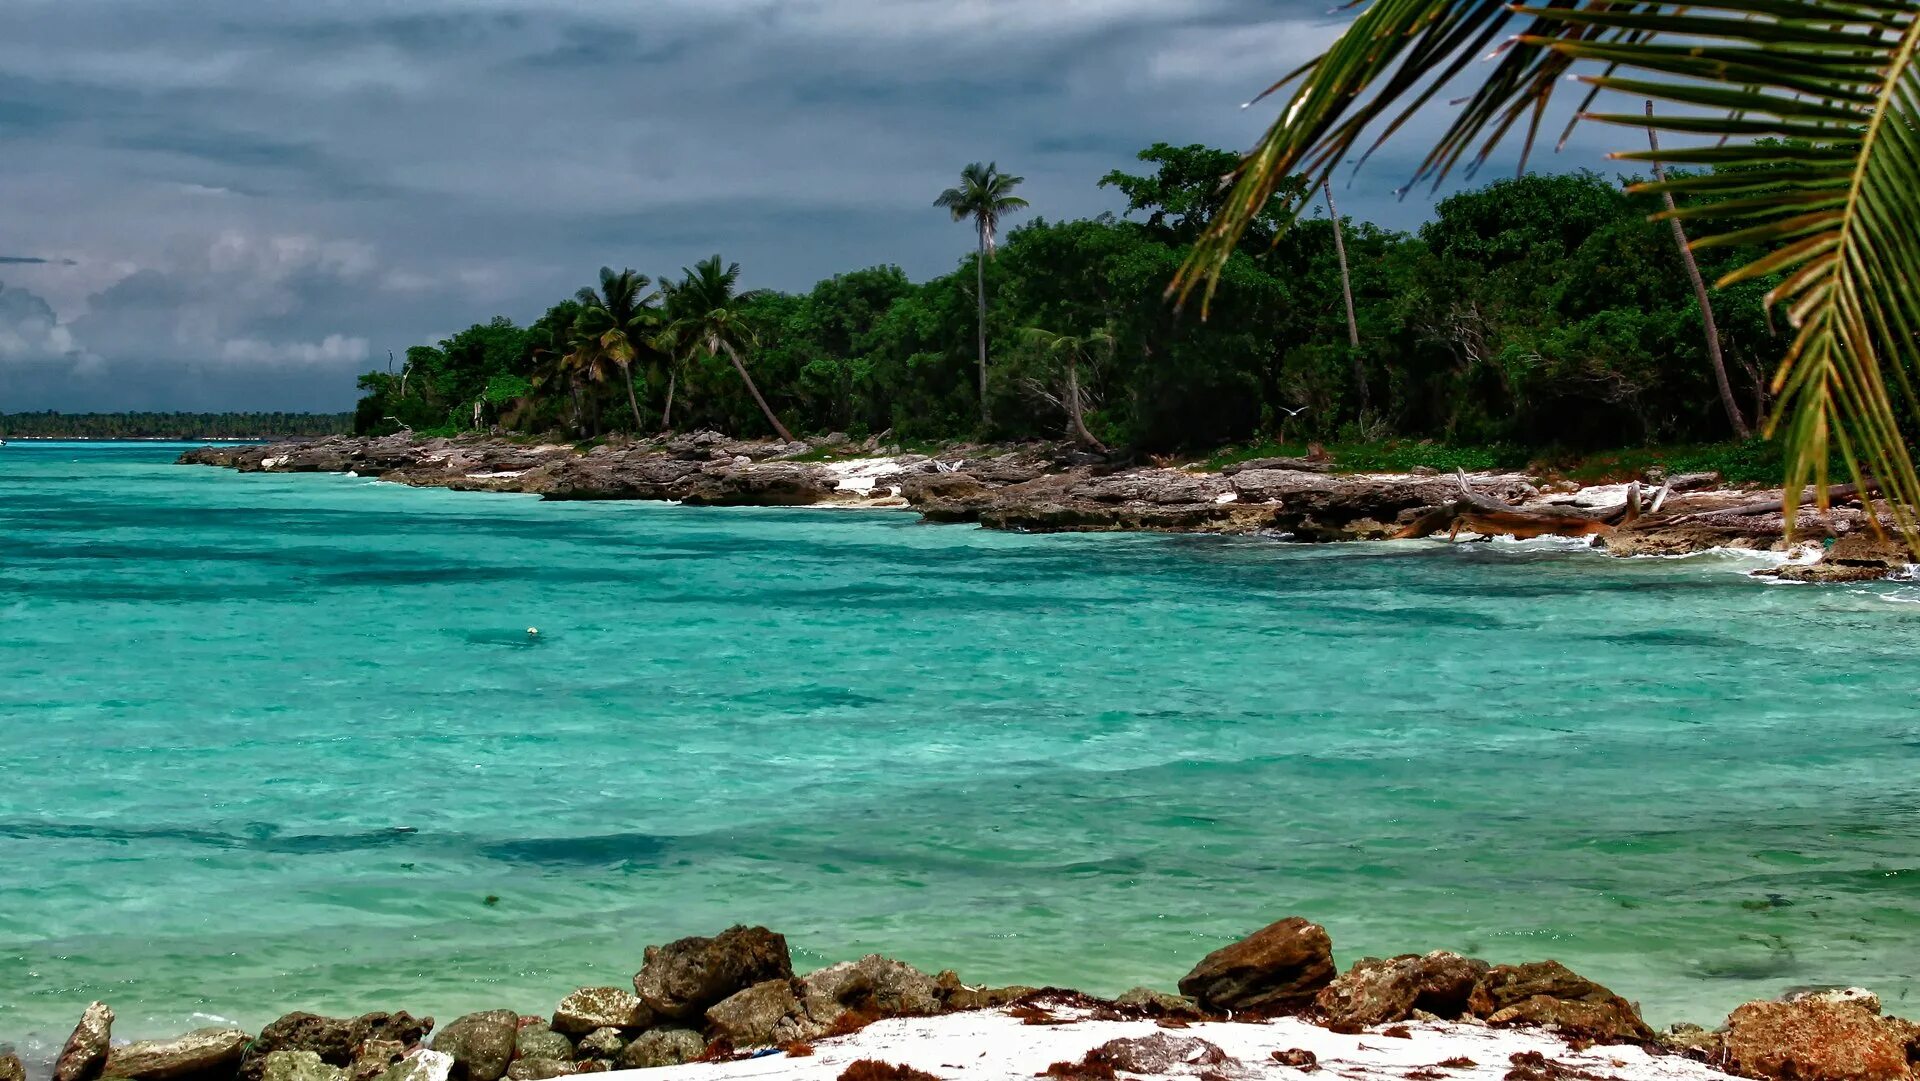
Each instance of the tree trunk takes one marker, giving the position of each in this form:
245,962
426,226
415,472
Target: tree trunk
1346,291
980,291
626,371
666,417
734,356
1739,422
1074,409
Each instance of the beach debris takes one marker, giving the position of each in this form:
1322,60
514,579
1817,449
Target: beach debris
683,979
1817,1039
1376,991
206,1051
481,1044
299,1066
663,1047
84,1057
593,1008
1278,969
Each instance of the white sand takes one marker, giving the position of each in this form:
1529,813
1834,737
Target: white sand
994,1045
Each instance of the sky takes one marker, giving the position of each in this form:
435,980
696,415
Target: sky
243,204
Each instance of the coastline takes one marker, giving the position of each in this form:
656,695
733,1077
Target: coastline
1055,488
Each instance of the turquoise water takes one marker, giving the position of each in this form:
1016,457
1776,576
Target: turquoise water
271,743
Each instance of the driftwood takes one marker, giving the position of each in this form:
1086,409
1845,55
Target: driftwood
1477,512
1839,493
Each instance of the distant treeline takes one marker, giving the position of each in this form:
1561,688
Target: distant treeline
52,425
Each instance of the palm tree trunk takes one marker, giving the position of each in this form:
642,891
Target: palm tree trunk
1727,402
1074,408
734,356
626,370
666,418
980,292
1346,291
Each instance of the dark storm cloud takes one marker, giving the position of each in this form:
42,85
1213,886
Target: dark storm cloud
246,204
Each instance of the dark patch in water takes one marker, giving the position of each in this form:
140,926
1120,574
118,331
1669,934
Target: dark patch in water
1673,637
608,850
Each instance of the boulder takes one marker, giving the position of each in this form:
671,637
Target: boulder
1277,969
682,979
1278,485
1533,994
481,1044
85,1055
774,484
1160,1004
1375,991
1161,1054
337,1040
884,986
374,1058
421,1065
202,1052
1815,1040
540,1069
600,1007
298,1066
11,1068
663,1047
601,1043
537,1040
1692,1041
1852,996
763,1015
961,999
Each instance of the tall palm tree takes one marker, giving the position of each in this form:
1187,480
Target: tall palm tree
712,317
1346,291
1071,350
615,324
1807,113
985,194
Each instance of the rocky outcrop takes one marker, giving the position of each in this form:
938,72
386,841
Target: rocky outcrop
682,980
207,1052
1816,1039
298,1066
336,1040
84,1056
1160,1004
600,1007
1547,993
663,1047
1278,969
481,1044
763,1015
874,984
1855,557
1376,992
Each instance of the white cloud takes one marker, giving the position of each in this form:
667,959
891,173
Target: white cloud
335,350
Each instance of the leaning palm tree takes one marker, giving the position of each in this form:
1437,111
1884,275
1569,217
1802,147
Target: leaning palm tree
615,323
712,318
1806,114
1071,350
985,194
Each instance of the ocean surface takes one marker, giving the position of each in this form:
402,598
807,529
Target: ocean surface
282,742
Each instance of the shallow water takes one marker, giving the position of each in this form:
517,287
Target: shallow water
275,743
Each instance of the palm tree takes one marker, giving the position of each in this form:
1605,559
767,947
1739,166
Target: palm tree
713,319
1346,291
1071,350
1806,112
985,194
616,323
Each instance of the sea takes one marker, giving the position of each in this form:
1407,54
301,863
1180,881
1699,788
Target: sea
274,743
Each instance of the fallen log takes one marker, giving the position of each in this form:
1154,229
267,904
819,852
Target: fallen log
1837,494
1477,512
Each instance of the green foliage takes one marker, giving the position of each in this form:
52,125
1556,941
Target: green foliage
187,426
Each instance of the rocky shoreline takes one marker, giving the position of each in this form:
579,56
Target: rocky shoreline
732,1004
1057,488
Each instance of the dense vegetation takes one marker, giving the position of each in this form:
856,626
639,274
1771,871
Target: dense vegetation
1540,312
50,425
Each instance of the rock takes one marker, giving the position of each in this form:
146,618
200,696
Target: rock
540,1069
961,999
207,1051
1277,969
298,1066
421,1065
663,1047
1161,1054
681,980
1269,485
1693,482
1815,1040
85,1055
337,1040
481,1044
374,1058
1375,992
1160,1004
776,484
887,987
1850,996
1290,465
1692,1041
1152,486
602,1043
763,1015
537,1040
11,1068
1530,994
600,1007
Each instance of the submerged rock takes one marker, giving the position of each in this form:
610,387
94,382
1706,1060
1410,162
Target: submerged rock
1549,993
600,1007
1816,1040
1375,991
683,979
204,1051
84,1056
481,1044
1278,969
663,1047
298,1066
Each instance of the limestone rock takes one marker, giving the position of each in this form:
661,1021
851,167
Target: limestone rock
1815,1040
1161,1004
85,1055
540,1069
600,1007
481,1044
602,1043
1152,486
663,1047
887,987
682,979
1692,1041
374,1058
536,1040
337,1040
963,998
202,1051
1277,969
763,1015
421,1065
1270,485
11,1068
1532,994
775,484
1601,1022
1852,996
298,1066
1375,991
1161,1054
